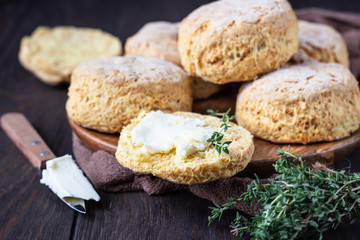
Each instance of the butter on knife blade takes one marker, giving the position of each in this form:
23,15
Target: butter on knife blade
62,174
66,180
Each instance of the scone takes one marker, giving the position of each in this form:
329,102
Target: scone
105,94
180,152
52,53
302,103
231,40
159,39
322,43
155,39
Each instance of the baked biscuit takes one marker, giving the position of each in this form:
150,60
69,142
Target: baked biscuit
302,103
199,167
159,39
52,53
322,43
155,39
231,40
105,94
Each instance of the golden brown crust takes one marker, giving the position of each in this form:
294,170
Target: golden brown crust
230,40
52,53
106,94
322,43
200,167
301,104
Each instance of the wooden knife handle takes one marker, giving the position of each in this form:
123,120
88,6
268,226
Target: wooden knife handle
25,137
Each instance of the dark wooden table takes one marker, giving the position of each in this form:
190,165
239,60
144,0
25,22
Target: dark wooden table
29,210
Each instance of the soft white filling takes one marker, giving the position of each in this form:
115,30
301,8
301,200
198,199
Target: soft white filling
160,132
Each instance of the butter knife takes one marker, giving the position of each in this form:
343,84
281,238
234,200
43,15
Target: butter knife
25,137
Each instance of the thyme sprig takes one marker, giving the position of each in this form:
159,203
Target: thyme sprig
217,136
298,202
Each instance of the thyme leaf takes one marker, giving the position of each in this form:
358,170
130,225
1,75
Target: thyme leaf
217,136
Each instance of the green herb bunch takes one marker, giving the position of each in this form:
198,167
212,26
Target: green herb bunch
217,136
298,202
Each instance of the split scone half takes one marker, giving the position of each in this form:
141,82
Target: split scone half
174,147
52,53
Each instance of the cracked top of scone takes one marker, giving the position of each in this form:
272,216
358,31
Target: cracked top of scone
134,69
52,53
302,103
322,43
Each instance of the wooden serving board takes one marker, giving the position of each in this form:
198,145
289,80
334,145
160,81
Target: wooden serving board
265,152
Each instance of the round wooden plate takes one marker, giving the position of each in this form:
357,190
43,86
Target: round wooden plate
265,152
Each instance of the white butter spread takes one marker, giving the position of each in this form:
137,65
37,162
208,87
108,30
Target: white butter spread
159,132
65,178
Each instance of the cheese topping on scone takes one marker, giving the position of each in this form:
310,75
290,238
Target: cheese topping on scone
160,132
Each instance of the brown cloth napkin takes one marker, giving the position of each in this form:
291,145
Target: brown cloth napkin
107,174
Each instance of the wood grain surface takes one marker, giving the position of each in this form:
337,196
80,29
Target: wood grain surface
29,210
